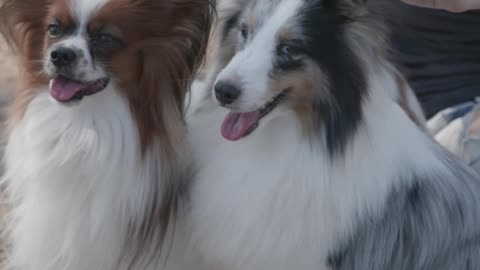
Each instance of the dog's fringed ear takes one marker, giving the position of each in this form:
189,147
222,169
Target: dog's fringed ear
176,34
22,22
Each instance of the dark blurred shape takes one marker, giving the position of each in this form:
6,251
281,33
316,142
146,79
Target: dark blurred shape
438,51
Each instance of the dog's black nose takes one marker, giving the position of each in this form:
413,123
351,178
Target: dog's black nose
226,93
62,57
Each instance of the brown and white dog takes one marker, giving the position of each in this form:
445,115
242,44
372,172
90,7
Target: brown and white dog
95,159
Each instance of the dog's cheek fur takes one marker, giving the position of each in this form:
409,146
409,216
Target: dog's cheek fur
308,83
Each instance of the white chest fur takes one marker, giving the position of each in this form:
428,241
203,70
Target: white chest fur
76,180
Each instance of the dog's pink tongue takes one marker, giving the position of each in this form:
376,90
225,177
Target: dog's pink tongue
63,89
236,125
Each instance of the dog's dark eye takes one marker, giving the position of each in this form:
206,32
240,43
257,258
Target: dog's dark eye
103,44
105,38
288,49
244,31
54,30
289,55
284,50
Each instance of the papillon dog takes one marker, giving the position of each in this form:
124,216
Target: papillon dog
306,162
95,158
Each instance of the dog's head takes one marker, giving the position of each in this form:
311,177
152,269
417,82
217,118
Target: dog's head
303,56
145,50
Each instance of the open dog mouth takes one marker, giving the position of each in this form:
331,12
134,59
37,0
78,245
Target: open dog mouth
64,89
237,125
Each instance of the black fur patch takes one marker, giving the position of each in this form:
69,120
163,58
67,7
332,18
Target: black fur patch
324,29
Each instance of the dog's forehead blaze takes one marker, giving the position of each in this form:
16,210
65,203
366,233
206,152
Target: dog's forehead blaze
78,11
84,10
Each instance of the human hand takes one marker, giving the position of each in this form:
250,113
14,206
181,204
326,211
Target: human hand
450,5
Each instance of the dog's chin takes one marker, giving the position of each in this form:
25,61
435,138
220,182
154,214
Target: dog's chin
67,90
238,125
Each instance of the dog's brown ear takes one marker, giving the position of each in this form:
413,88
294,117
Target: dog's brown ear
170,56
22,22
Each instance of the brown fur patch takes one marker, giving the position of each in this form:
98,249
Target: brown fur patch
303,86
286,34
59,12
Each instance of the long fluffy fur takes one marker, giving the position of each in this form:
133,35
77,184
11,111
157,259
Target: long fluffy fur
97,186
373,194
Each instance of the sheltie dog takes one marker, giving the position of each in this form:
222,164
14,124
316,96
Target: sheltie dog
95,158
306,162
